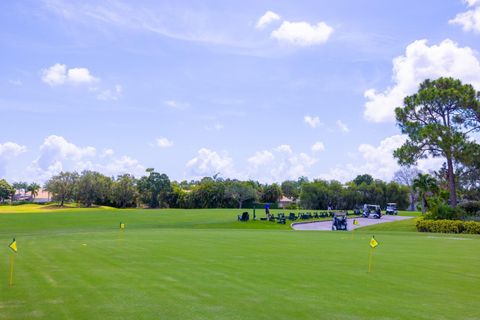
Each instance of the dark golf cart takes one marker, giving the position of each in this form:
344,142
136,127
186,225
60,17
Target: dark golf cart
372,211
391,208
339,222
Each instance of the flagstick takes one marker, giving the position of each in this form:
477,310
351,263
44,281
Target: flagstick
370,260
12,261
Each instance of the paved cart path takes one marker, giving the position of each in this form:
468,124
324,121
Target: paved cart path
327,225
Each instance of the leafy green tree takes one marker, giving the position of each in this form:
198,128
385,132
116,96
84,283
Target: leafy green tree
239,192
62,186
208,193
124,191
364,178
154,188
6,190
20,186
425,185
93,188
437,120
271,193
291,189
33,188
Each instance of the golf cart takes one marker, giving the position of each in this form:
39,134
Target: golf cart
372,211
339,222
391,208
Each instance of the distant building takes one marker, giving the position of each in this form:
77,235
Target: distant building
43,196
285,201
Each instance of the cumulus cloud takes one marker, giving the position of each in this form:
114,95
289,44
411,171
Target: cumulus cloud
313,122
470,19
58,154
208,162
302,33
107,153
342,126
279,164
58,74
120,166
318,147
266,19
163,142
421,62
261,158
378,161
8,151
284,148
56,149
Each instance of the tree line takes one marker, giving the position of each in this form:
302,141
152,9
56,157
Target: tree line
156,190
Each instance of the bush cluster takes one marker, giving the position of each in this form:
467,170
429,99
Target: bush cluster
472,208
448,226
445,212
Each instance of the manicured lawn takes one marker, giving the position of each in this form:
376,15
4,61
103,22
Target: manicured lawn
203,264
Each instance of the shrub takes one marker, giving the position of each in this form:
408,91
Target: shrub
445,212
472,208
292,206
448,226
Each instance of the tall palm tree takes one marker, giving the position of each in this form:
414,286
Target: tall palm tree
33,189
425,185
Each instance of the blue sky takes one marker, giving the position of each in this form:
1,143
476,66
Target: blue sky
263,90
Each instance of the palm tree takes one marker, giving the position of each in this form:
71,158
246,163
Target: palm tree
425,185
33,189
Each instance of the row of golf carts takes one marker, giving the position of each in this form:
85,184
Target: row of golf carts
371,211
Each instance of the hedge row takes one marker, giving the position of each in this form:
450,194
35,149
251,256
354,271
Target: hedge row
448,226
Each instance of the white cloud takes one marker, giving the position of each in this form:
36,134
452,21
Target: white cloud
284,148
378,161
209,162
122,165
107,153
56,148
302,33
419,63
8,151
342,126
279,164
261,158
313,122
469,20
471,3
57,154
58,74
80,76
163,142
176,104
110,94
318,147
266,19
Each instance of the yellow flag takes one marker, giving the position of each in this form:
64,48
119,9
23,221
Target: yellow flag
122,225
373,242
355,222
13,245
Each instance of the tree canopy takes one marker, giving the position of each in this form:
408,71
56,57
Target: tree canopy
437,120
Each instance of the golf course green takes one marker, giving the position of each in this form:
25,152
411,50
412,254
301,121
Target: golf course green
203,264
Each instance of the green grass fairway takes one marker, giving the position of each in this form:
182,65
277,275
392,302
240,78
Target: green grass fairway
202,264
